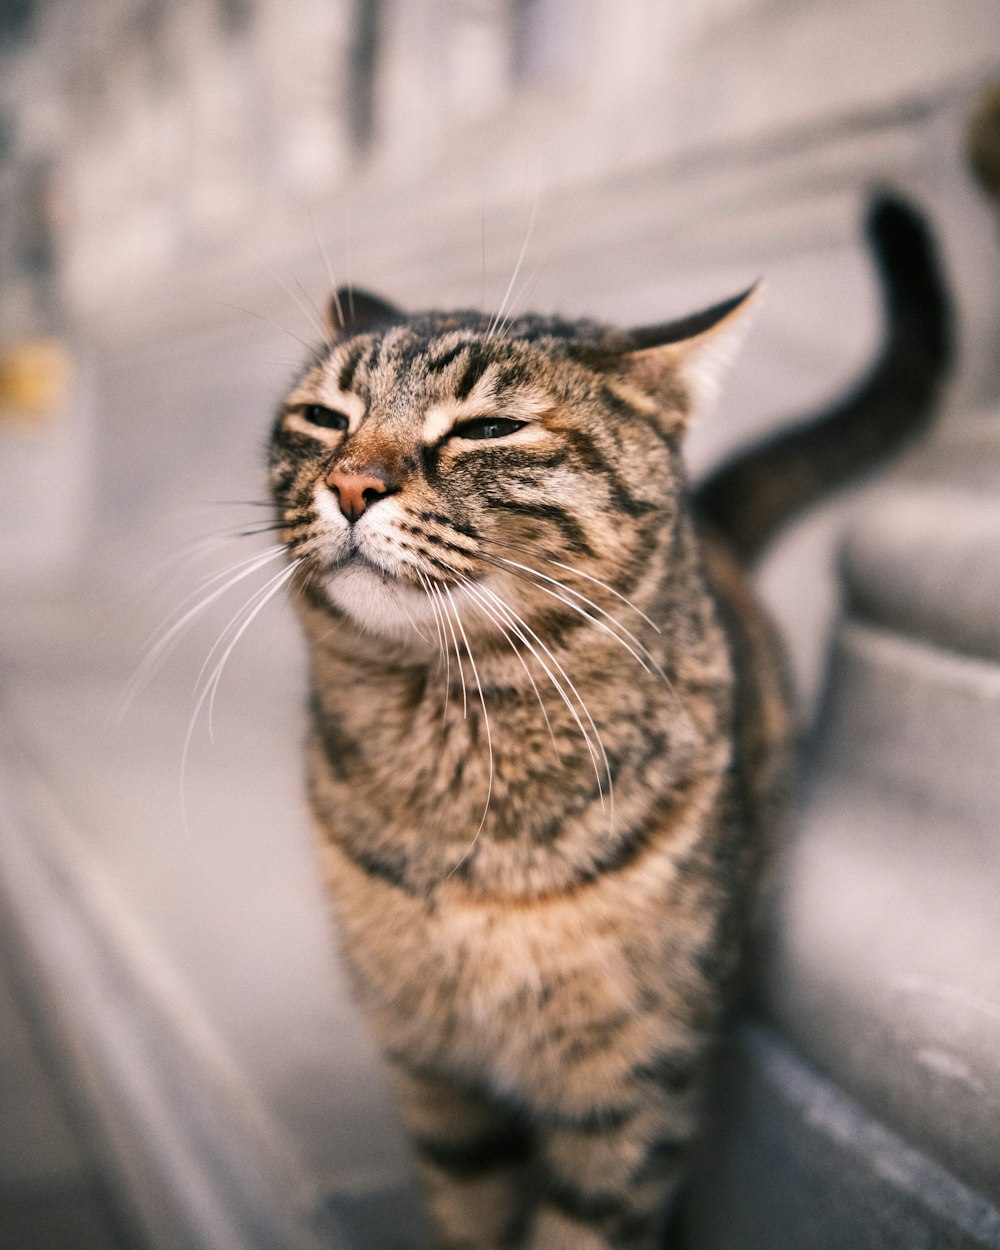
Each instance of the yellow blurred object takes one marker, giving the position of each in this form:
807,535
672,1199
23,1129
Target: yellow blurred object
34,377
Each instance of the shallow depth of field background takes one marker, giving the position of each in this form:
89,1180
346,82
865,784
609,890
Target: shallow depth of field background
180,180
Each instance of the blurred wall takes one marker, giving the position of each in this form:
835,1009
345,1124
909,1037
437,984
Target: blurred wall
138,136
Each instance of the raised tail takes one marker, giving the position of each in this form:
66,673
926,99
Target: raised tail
749,498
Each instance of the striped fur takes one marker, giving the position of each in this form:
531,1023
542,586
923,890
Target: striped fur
548,736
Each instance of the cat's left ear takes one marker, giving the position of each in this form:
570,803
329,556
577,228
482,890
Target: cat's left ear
353,311
697,349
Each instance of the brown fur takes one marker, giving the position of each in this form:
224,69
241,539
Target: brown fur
548,749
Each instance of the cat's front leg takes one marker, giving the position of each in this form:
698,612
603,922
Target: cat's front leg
610,1182
473,1156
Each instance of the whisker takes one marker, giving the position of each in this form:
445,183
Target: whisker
651,666
517,268
242,503
269,590
315,307
510,614
263,591
489,736
523,291
413,624
303,308
334,296
249,312
211,685
458,657
610,589
485,610
189,551
167,634
482,300
442,645
569,568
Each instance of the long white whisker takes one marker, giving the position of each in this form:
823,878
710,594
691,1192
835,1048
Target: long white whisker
262,592
517,268
167,634
249,312
211,685
569,568
610,589
303,308
315,307
511,615
458,656
206,544
334,297
522,291
576,594
263,598
413,624
651,665
486,722
482,300
491,615
442,646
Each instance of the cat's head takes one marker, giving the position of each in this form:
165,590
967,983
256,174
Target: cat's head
435,454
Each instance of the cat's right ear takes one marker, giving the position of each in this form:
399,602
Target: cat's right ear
697,349
351,311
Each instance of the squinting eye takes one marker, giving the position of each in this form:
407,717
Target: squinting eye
325,418
487,427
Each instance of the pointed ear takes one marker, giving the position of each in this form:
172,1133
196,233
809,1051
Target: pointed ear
697,349
351,311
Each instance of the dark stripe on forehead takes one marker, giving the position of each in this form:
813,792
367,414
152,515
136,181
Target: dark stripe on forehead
511,376
406,354
475,369
437,364
345,377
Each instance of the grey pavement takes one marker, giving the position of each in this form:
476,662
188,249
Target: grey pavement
50,1197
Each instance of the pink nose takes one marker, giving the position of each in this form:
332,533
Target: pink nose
355,491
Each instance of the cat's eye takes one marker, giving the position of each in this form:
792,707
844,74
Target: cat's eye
487,427
325,418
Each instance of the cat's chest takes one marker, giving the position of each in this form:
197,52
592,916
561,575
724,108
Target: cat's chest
512,751
464,983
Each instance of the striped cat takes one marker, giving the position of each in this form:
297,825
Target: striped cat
549,737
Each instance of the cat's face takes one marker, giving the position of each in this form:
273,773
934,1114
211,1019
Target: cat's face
428,456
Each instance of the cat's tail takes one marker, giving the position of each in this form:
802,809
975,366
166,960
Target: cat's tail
749,498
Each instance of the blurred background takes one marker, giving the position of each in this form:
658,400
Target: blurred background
181,182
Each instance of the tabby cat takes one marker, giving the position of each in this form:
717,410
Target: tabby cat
549,727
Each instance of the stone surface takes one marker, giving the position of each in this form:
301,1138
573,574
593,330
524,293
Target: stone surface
884,968
797,1164
926,561
49,1199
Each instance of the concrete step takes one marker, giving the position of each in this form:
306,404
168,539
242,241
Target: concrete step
795,1164
884,968
913,720
926,562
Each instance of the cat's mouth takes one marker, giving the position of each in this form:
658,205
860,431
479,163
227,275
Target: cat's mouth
350,553
379,600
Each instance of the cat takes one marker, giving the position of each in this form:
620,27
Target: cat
549,724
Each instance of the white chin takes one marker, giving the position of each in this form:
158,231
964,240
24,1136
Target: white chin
380,605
